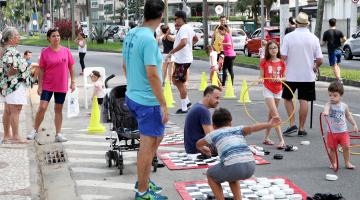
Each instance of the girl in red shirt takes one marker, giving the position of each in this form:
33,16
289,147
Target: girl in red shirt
274,68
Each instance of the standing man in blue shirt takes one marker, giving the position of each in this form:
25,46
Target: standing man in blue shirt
144,95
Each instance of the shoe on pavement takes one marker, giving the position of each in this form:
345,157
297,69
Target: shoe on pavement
152,186
32,135
180,111
189,105
150,195
302,133
60,138
291,129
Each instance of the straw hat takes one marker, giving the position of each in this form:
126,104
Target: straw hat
302,18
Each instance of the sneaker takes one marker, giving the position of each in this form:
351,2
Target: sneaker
189,105
150,195
180,111
302,133
290,130
60,138
32,135
152,186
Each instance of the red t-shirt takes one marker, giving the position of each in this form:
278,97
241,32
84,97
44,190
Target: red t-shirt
273,70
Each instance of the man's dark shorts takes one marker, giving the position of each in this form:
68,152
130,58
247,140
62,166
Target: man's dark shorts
149,118
59,96
306,90
181,71
334,57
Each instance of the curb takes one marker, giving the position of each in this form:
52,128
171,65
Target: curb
321,78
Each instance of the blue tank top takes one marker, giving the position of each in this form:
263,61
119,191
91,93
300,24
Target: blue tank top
337,118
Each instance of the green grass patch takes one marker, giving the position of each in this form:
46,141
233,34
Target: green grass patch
348,74
109,46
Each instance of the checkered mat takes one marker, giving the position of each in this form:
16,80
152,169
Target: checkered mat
173,138
180,161
279,188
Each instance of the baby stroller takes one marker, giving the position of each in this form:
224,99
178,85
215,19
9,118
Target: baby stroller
124,124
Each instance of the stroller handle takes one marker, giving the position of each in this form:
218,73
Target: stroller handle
108,79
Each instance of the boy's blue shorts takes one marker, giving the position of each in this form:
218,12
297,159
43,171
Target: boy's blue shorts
334,57
149,118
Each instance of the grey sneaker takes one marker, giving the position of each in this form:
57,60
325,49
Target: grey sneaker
32,135
60,138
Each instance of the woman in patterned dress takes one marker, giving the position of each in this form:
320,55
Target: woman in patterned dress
14,78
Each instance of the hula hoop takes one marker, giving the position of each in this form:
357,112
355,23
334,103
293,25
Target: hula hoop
351,146
325,143
353,134
253,84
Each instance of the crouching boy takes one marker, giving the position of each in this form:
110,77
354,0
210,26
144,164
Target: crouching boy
236,159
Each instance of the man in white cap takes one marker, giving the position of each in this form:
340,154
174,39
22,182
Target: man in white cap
299,49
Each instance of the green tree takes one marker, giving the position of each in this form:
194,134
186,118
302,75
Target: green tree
136,8
253,6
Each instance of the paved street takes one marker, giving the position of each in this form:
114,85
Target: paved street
306,168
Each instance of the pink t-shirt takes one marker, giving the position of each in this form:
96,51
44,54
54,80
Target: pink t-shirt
228,49
56,65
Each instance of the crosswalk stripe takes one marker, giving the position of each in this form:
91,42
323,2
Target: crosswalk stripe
95,160
94,197
87,136
86,143
104,184
93,170
87,152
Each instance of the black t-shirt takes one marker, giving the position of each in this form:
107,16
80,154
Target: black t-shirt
289,29
333,39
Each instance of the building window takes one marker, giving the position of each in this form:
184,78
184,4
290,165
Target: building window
94,15
108,8
94,4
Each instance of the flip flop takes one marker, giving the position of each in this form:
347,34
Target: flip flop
281,147
352,167
268,142
20,141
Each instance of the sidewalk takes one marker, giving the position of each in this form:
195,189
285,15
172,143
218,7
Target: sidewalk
18,165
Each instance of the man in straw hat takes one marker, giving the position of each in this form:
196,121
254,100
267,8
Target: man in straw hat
299,49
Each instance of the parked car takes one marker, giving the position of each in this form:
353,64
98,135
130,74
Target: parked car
239,39
120,35
254,43
352,46
85,28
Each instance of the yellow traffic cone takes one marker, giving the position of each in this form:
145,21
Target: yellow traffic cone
244,94
215,79
229,92
203,83
95,126
168,95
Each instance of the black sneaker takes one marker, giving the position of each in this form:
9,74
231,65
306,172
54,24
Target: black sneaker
180,111
290,130
302,133
189,104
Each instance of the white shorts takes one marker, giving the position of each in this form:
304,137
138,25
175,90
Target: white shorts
18,97
171,58
268,94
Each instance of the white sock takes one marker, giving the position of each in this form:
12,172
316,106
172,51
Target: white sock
141,193
187,100
183,105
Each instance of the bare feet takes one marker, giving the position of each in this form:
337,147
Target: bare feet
268,142
349,166
333,166
281,145
19,141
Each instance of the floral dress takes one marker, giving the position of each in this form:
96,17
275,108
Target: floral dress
12,58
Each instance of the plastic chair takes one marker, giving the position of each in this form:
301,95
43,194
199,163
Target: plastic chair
87,84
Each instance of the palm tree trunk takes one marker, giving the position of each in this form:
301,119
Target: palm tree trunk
319,18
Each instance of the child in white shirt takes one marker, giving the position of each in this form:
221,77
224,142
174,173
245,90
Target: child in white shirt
214,66
99,88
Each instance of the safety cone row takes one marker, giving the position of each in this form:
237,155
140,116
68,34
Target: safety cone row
244,94
229,92
203,83
168,95
95,126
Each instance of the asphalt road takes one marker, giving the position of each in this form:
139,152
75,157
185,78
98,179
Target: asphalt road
306,167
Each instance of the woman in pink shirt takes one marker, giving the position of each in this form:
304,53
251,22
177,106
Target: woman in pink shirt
56,62
229,53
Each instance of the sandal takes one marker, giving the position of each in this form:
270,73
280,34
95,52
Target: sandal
290,148
268,142
281,147
20,141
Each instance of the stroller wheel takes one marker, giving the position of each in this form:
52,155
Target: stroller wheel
120,164
155,164
121,172
108,159
116,158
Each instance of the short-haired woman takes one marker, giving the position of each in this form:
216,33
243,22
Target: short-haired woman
15,76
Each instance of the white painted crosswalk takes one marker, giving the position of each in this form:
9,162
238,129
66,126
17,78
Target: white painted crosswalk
93,178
